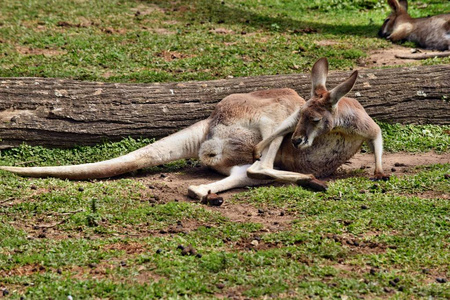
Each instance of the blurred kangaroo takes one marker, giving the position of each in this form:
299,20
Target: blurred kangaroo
226,140
428,33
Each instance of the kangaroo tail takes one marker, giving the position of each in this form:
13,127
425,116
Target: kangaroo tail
183,144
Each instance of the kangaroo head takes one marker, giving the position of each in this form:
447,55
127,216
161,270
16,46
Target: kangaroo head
398,16
317,115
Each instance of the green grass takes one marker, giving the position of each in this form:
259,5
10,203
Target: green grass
188,40
109,239
359,239
415,138
114,239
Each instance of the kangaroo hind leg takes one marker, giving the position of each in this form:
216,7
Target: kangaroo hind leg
238,178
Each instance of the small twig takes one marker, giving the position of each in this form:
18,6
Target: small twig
65,213
7,200
51,225
14,198
25,162
71,212
423,56
68,214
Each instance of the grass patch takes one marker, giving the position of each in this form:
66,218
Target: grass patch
37,155
154,41
359,239
111,239
415,138
115,239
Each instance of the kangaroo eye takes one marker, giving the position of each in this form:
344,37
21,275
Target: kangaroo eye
316,120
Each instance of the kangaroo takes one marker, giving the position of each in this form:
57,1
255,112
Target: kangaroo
226,140
429,33
327,131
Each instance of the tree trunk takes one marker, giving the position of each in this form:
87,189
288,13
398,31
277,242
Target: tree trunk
64,113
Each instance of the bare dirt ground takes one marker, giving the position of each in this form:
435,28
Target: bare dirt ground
387,57
173,186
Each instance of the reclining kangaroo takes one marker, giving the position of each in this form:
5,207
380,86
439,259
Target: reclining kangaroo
330,131
429,33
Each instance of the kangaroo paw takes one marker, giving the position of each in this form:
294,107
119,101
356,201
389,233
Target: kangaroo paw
318,185
256,154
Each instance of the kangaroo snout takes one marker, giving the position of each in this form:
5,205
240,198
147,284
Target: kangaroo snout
299,141
382,34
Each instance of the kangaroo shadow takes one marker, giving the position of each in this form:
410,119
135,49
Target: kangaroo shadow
215,11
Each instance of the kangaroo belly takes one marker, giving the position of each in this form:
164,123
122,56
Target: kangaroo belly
322,158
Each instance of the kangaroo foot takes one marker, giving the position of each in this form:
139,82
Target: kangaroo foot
198,192
258,175
314,184
257,172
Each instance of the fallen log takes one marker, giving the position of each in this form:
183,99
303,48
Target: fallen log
63,113
420,56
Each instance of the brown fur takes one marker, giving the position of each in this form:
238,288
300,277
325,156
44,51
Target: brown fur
429,33
250,107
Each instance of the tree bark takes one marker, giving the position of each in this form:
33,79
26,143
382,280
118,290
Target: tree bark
63,113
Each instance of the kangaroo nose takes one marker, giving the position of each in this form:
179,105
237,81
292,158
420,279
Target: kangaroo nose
297,141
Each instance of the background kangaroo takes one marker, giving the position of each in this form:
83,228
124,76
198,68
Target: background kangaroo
429,33
226,140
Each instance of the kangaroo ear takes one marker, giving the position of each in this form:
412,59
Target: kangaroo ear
397,6
342,89
404,4
319,74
